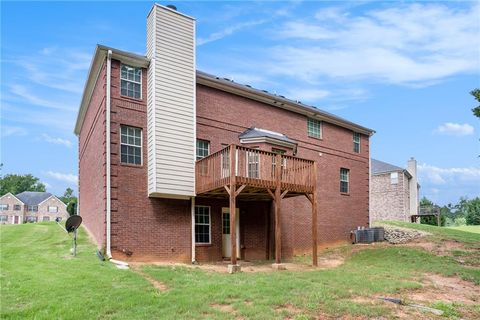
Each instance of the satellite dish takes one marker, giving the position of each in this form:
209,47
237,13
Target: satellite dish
73,223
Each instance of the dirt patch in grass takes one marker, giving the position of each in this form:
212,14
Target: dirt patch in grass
448,289
160,286
463,254
287,309
223,307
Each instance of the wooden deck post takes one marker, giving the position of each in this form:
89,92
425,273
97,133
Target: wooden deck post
314,217
233,213
277,200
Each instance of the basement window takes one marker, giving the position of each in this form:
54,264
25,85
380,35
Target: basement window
202,225
131,145
344,180
131,82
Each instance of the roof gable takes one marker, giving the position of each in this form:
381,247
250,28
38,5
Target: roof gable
383,167
33,198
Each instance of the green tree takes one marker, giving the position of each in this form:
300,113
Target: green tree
473,212
70,200
16,183
72,207
67,196
476,94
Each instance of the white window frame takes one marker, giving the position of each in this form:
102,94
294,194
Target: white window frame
56,209
394,178
314,121
203,224
131,145
132,81
19,207
3,207
197,148
32,208
2,217
356,136
347,180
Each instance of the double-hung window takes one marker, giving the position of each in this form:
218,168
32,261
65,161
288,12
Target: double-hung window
131,145
52,209
356,142
203,149
314,128
131,82
344,180
3,207
17,207
202,224
32,208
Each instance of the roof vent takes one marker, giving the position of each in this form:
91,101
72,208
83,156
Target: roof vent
171,6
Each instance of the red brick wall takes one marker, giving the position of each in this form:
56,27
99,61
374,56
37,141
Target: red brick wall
221,117
160,229
92,163
151,228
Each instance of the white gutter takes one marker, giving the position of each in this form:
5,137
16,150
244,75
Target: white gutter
108,162
193,230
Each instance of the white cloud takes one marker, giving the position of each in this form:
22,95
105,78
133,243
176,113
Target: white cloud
449,176
25,95
403,44
228,31
8,131
307,95
66,177
455,129
60,141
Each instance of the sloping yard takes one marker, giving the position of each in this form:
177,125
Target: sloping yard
39,279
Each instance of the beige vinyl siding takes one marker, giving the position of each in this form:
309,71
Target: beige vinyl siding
171,103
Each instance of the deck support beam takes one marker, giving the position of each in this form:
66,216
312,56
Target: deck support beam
277,200
233,208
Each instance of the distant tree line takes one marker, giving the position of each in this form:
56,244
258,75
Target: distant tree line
16,183
465,212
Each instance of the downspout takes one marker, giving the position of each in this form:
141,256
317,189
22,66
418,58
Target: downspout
193,231
108,160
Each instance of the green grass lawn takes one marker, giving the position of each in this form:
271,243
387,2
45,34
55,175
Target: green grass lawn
474,229
39,279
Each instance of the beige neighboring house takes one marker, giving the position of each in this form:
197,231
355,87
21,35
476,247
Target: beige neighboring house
394,193
31,206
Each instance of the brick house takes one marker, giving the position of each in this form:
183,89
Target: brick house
179,165
31,206
394,193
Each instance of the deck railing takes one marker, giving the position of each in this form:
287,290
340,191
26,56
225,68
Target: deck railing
256,168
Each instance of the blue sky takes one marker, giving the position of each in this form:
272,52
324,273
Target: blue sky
401,68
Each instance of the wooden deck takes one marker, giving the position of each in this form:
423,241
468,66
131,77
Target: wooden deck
256,170
245,173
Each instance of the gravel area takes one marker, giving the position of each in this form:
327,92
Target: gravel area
396,235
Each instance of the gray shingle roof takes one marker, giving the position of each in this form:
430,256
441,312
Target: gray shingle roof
381,167
32,198
259,133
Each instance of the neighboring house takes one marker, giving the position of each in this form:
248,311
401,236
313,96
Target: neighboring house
394,193
31,206
167,152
